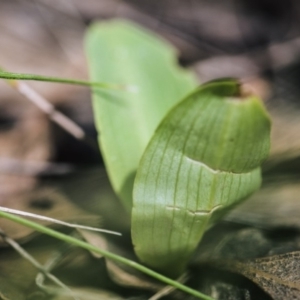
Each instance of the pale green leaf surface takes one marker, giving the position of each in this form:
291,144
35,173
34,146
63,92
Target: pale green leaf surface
204,158
123,54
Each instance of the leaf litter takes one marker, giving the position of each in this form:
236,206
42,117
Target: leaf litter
261,265
278,275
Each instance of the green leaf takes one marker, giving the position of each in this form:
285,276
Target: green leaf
121,53
204,158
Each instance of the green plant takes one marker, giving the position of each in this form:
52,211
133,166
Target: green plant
195,158
186,162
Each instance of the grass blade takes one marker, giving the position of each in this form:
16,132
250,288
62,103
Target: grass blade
106,254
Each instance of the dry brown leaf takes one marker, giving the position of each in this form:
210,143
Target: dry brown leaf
277,275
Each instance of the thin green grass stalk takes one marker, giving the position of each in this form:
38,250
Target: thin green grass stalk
104,253
18,76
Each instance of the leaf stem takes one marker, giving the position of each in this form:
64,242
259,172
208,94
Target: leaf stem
107,254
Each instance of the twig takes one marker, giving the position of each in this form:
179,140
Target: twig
48,108
34,262
49,265
43,104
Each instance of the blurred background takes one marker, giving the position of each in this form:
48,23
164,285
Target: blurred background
256,41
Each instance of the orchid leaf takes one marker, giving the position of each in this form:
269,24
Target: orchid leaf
203,159
126,55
